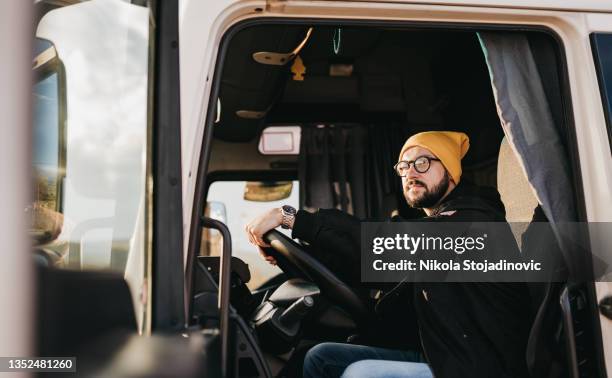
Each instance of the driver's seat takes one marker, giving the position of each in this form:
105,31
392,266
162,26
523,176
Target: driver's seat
515,191
544,355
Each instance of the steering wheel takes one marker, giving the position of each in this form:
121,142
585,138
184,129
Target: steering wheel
331,286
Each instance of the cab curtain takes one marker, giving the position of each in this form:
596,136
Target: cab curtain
350,167
525,86
524,81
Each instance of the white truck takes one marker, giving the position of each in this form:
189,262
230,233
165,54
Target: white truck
143,112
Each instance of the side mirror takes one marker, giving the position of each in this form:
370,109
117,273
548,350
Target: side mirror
49,143
267,191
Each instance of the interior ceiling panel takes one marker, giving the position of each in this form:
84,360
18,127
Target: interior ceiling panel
427,80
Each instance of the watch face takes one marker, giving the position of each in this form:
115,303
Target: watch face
289,210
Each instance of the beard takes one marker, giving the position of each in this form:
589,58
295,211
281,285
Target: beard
429,198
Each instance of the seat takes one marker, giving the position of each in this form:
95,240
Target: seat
544,352
515,191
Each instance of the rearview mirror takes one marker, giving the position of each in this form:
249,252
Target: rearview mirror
267,191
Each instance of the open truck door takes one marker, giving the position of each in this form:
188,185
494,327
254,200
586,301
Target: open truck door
98,175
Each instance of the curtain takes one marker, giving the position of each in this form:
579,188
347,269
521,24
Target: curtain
331,164
527,121
350,167
524,105
383,186
526,88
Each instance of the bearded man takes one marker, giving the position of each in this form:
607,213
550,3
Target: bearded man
471,329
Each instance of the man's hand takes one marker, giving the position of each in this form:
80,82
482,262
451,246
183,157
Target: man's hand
259,226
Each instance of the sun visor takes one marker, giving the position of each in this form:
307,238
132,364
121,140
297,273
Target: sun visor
250,85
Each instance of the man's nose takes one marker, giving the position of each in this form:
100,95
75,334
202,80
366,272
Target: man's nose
413,173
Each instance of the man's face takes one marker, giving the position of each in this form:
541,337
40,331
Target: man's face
424,190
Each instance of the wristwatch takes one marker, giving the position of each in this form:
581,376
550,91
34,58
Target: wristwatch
288,216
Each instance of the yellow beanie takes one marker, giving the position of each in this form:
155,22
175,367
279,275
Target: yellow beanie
448,146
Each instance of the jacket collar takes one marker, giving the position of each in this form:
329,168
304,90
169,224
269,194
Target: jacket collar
467,196
457,192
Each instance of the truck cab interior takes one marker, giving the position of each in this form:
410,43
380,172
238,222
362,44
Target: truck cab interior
323,109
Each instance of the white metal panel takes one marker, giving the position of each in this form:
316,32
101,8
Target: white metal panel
565,5
201,25
603,23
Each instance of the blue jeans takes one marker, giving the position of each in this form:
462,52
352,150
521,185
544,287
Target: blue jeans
332,360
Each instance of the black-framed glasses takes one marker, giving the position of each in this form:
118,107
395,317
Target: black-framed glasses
421,165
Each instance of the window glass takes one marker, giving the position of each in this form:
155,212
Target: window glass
226,202
46,123
602,51
89,140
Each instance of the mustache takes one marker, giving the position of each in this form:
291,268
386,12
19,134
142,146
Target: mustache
415,182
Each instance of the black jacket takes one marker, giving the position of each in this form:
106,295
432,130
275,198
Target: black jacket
466,329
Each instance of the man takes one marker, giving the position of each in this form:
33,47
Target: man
466,329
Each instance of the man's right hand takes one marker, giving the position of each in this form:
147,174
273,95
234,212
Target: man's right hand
256,228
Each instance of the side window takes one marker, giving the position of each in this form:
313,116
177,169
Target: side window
89,140
236,203
602,52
